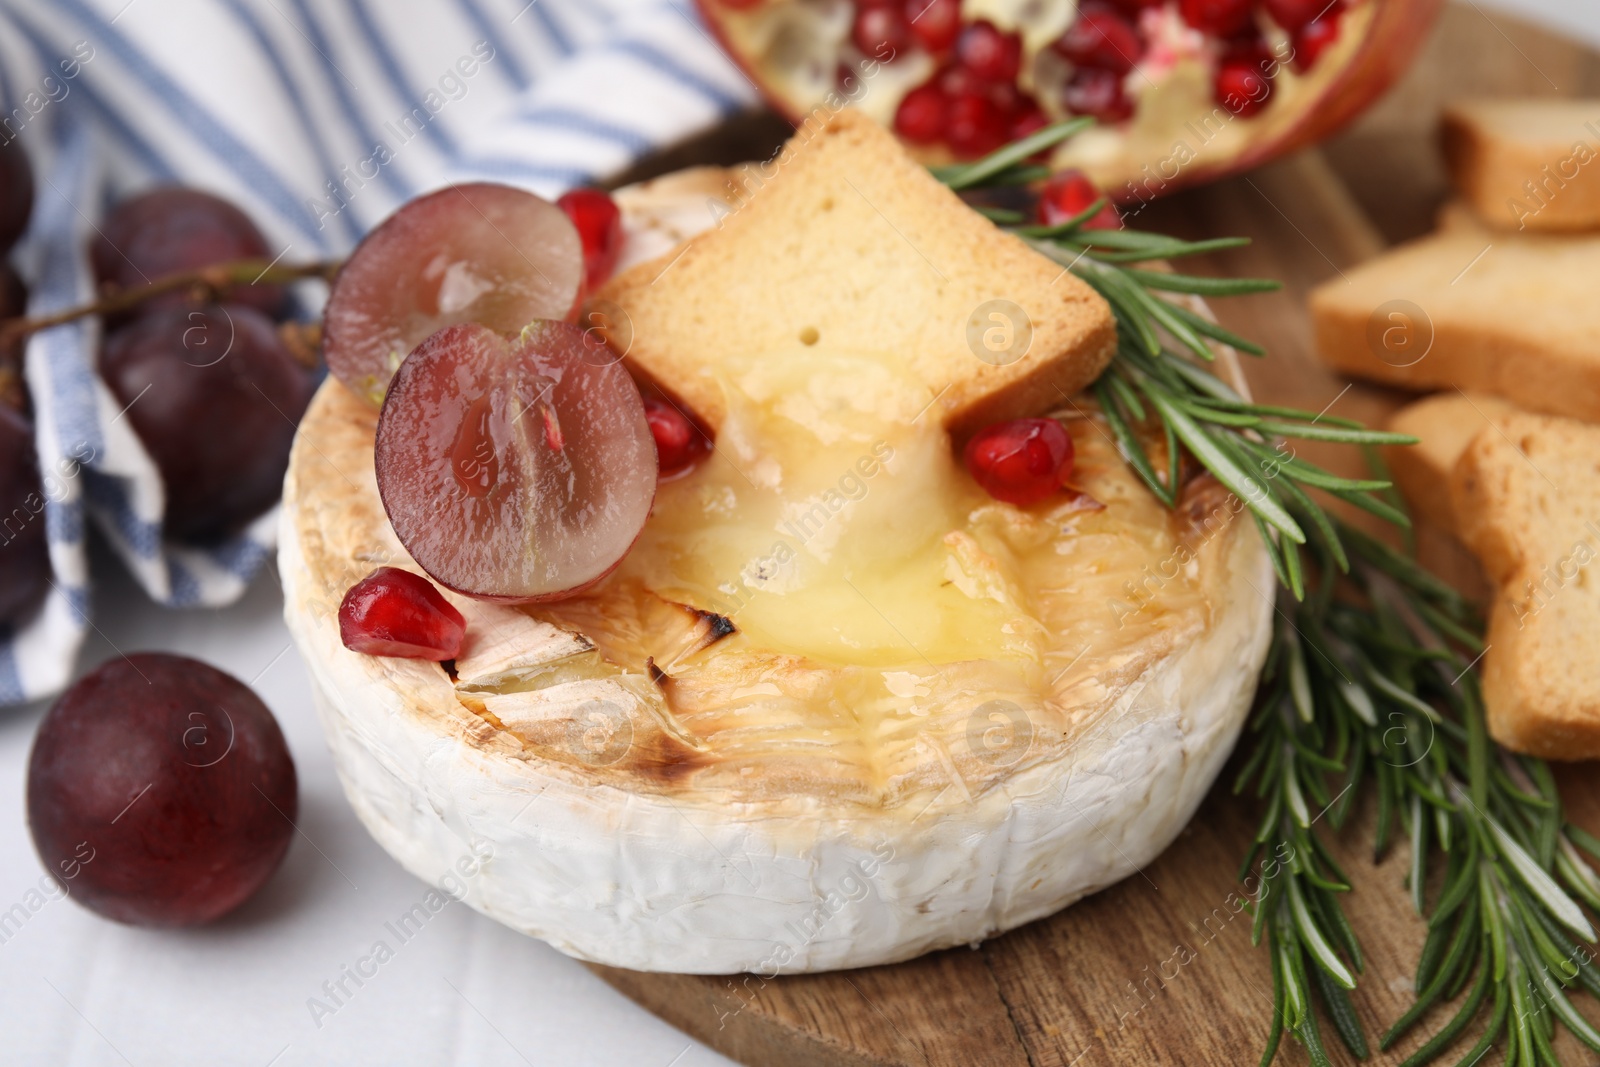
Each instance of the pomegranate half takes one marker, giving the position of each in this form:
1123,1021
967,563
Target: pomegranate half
1184,91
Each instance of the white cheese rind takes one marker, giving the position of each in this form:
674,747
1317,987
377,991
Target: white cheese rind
656,884
683,880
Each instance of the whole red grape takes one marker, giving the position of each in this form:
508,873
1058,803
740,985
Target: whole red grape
16,191
13,304
160,791
24,557
171,230
214,395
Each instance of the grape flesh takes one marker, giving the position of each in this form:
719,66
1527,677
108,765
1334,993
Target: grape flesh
160,791
479,252
173,230
214,395
516,470
24,557
16,193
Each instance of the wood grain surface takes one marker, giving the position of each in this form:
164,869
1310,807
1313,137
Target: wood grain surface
1159,969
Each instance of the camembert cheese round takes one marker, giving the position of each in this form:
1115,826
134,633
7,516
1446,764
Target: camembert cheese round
836,708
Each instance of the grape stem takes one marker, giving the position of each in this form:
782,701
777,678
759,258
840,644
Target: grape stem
204,285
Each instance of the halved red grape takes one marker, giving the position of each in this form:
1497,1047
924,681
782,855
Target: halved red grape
479,252
160,791
214,395
515,470
171,230
24,557
392,612
16,191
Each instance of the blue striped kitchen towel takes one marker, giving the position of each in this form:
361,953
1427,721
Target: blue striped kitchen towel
318,117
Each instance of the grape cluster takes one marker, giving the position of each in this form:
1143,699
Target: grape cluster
213,391
24,560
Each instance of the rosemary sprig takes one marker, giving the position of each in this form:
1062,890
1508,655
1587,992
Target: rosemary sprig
1369,689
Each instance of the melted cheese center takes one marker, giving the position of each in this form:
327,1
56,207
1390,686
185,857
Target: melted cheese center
824,525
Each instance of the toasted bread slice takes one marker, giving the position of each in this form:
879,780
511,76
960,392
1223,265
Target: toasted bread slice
1509,314
1527,502
1445,423
845,245
1526,164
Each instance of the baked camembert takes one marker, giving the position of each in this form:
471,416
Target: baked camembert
837,706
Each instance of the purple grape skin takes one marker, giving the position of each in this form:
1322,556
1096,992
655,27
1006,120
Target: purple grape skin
13,304
24,556
217,420
16,193
171,230
160,791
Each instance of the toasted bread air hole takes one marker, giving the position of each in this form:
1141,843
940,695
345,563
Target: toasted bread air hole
809,336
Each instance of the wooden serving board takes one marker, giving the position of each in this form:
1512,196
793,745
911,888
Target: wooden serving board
1159,969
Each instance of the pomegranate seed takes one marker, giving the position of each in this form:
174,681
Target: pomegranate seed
1007,97
1293,14
392,612
1314,38
679,442
1218,18
1133,7
975,127
599,225
1099,93
1030,119
921,114
934,23
880,31
1101,38
1241,84
988,53
1069,194
1022,461
957,81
